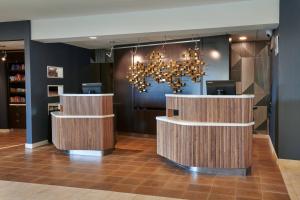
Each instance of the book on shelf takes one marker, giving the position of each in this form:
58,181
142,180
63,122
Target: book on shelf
17,67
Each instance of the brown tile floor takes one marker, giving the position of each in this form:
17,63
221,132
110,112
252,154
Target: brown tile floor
134,167
10,139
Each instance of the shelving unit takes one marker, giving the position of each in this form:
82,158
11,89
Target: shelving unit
55,90
17,95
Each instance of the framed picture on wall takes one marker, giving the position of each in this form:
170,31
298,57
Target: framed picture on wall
55,72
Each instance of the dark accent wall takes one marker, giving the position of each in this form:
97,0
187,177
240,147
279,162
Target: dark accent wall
72,59
19,30
99,72
3,97
288,80
136,112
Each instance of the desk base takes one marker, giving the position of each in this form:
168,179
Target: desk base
214,171
88,152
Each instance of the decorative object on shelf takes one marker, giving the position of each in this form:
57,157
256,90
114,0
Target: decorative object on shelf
167,71
17,67
17,90
17,77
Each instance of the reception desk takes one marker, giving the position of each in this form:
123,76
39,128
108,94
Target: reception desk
85,124
209,134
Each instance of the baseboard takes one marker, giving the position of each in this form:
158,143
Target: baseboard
4,130
35,145
269,141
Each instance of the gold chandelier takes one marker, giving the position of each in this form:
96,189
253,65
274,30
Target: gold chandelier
169,72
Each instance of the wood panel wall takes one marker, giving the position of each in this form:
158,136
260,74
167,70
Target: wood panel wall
83,133
227,110
205,146
87,105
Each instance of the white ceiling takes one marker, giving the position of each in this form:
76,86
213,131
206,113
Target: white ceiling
107,42
11,10
11,45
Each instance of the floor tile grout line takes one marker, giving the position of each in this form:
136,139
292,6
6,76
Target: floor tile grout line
8,147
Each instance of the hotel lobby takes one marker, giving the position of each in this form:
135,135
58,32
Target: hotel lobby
130,99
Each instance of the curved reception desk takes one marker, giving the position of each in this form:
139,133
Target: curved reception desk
85,124
208,134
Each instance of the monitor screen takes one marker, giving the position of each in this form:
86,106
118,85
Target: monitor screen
91,88
221,87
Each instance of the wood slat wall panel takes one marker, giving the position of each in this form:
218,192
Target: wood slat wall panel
87,105
83,133
227,110
205,146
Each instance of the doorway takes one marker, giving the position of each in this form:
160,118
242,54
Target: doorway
12,93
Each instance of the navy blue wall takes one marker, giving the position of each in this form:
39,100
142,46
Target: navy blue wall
37,57
17,31
3,97
72,59
289,81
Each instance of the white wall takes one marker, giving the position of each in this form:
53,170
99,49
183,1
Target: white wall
250,14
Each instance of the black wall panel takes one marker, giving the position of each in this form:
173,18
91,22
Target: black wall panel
72,59
19,30
289,81
136,112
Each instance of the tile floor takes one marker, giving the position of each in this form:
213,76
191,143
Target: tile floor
134,167
15,191
290,170
9,139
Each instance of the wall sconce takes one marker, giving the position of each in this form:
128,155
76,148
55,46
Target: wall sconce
214,54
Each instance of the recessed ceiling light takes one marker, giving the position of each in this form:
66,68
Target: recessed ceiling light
242,38
93,37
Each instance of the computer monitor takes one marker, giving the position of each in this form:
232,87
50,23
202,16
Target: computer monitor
91,88
221,87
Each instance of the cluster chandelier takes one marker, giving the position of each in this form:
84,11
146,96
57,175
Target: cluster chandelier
169,72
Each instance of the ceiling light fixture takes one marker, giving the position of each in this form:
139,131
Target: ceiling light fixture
3,58
110,54
93,37
243,38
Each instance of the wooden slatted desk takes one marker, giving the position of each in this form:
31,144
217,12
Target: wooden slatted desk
85,126
208,133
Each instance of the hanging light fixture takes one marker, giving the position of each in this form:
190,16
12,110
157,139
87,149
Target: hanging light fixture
163,71
137,73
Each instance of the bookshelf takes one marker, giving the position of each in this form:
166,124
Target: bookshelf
17,95
16,84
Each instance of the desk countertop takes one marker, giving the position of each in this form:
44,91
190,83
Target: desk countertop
89,95
175,120
61,115
244,96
